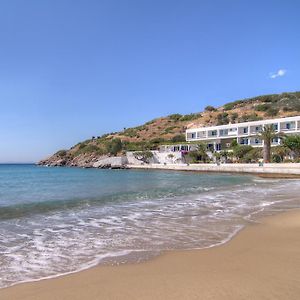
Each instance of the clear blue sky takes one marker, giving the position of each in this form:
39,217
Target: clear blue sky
72,69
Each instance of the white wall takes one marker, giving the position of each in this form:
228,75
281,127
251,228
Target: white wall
158,158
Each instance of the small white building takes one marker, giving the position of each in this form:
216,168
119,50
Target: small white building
246,133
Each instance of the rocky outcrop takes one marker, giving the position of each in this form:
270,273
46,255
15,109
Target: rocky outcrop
86,161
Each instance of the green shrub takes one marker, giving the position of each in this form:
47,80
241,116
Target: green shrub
210,108
82,145
262,107
233,117
240,151
140,128
114,146
61,153
88,148
249,118
222,118
197,156
178,138
233,143
135,146
157,140
170,129
229,106
150,122
251,156
131,132
272,112
190,117
175,117
292,142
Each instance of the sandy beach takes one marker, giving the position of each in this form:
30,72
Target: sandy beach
261,262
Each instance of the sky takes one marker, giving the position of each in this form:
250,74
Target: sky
73,69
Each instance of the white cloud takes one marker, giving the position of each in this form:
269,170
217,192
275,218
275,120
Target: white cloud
279,73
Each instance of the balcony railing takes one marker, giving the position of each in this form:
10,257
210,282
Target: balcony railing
288,129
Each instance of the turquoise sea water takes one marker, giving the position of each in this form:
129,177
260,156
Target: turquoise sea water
60,220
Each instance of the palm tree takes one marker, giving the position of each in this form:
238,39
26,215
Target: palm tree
267,134
202,151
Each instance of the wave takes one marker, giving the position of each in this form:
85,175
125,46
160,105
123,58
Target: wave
21,210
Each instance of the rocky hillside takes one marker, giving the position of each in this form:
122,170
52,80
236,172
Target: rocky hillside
171,129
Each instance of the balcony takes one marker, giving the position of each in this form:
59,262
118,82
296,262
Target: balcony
288,126
212,133
256,142
223,132
201,134
288,129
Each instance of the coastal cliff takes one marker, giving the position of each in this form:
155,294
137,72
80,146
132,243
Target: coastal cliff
108,150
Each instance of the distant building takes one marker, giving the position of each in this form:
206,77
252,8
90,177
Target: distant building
246,133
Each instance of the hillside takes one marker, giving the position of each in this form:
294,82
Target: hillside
171,129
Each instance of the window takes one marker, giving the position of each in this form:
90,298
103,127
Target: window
245,130
200,134
288,125
244,141
275,126
193,135
257,141
223,131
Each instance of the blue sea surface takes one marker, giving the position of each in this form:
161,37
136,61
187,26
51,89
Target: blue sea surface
55,221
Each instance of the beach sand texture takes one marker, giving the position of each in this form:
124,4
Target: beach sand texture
261,262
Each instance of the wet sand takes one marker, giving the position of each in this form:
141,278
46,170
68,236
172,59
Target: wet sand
261,262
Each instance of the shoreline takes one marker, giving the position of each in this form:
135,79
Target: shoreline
259,253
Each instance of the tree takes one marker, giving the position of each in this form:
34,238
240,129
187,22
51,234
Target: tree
224,154
267,134
202,151
279,153
252,156
210,108
200,154
240,151
222,118
233,143
292,142
114,146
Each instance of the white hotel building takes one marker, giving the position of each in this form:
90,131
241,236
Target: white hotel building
220,137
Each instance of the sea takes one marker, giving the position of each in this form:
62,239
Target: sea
60,220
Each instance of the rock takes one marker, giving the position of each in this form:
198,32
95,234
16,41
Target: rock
87,161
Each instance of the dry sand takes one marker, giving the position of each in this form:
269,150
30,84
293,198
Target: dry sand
261,262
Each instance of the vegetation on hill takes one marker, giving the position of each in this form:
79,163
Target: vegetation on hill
171,129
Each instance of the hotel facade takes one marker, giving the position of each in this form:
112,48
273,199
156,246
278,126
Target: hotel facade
246,133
